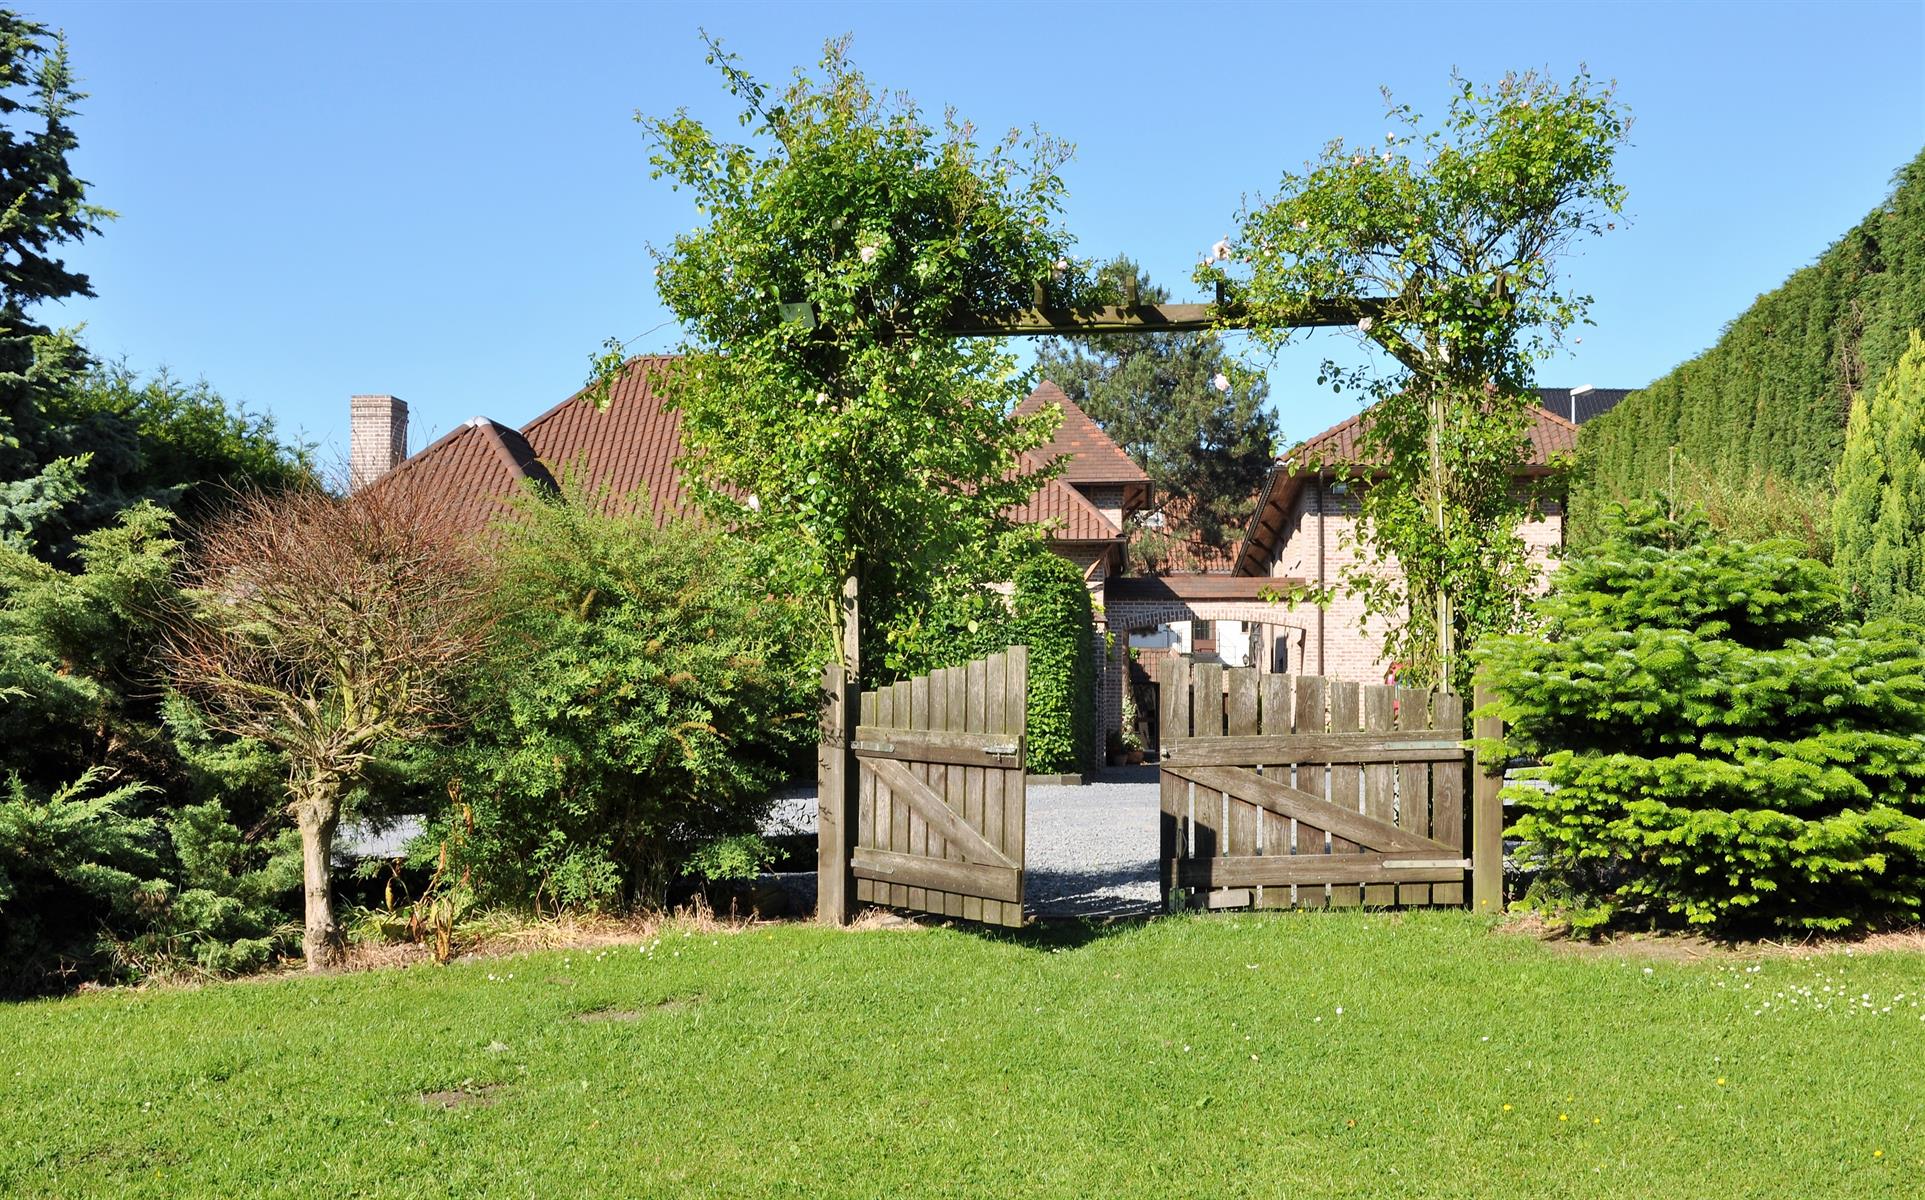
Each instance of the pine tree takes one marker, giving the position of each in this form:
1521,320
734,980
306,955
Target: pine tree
1878,518
46,208
1177,404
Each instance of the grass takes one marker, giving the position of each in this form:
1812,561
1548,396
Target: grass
1201,1056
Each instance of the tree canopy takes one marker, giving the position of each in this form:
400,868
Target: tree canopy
1458,230
825,414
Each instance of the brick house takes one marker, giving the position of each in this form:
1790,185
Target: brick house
1304,529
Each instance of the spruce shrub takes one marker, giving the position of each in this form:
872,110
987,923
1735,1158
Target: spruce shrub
1721,748
1053,617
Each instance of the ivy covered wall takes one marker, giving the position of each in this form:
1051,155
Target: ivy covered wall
1771,397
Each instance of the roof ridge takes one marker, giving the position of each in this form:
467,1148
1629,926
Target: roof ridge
653,359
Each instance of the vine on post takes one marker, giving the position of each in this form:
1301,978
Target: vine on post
1462,227
825,414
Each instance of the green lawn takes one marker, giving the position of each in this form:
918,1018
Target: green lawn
1291,1055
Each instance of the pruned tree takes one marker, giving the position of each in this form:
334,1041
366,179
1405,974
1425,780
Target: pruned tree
330,628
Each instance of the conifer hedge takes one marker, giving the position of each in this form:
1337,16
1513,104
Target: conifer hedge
1770,399
1720,748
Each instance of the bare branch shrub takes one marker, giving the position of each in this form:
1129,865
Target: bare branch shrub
328,627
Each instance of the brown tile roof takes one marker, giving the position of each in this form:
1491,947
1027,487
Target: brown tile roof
1341,445
1094,458
1074,518
634,443
1177,550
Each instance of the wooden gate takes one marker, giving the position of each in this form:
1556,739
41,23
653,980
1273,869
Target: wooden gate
941,805
1296,790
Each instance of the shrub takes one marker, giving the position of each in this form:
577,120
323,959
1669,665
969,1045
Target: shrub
1053,618
1721,749
640,702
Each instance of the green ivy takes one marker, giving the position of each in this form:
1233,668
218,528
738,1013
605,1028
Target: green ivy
1054,618
1719,747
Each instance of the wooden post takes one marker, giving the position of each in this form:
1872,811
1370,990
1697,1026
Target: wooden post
1487,816
837,780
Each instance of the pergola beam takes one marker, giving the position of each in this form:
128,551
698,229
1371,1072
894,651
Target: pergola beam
1151,318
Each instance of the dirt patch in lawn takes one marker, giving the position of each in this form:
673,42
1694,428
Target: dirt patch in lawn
1687,947
598,1016
463,1095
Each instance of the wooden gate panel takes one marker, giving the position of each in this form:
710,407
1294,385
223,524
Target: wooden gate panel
1281,790
931,752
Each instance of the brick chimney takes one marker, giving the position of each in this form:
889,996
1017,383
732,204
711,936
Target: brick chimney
377,437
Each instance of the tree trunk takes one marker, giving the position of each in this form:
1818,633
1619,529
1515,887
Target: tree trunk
317,815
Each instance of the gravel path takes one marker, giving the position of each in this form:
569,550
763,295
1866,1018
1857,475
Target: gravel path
1091,850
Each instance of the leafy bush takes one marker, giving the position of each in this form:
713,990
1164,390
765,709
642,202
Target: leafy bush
1053,618
641,701
1720,748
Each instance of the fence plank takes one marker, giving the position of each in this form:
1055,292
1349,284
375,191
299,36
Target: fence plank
1240,833
1487,817
983,784
1015,719
1413,785
1380,783
1278,717
1206,720
1311,870
939,724
1447,795
919,839
866,818
1172,724
1312,778
1345,784
1416,745
940,874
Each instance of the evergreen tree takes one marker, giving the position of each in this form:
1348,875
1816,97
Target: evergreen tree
1177,404
1720,749
46,208
1878,517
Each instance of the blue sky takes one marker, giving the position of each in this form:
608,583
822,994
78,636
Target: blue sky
452,203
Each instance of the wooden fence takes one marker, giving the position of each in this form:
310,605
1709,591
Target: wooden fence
1296,790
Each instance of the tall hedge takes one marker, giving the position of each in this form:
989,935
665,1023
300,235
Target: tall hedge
1770,399
1053,617
1720,748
